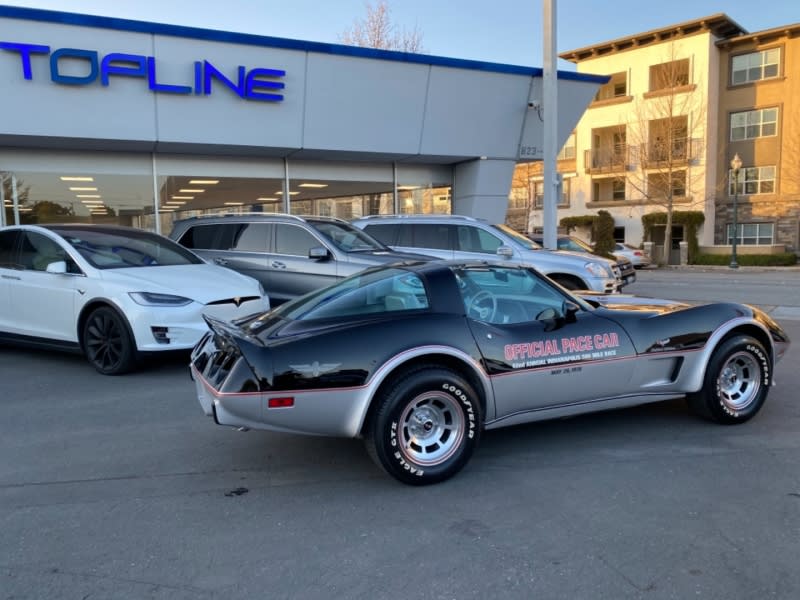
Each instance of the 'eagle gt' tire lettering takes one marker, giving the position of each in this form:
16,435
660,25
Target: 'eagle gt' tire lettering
426,427
736,382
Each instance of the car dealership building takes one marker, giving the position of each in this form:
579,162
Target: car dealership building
117,121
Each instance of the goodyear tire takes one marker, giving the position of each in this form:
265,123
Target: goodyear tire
107,342
736,382
426,426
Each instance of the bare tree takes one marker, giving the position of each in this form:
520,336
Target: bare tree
522,196
664,141
378,31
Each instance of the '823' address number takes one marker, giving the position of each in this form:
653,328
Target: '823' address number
529,151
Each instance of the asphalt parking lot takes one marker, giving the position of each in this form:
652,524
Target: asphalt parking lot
121,488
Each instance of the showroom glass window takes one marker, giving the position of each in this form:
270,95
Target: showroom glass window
42,187
424,189
190,186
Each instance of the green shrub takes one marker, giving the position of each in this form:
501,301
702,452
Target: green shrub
785,259
603,233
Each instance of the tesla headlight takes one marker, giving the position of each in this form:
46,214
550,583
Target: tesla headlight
151,299
597,270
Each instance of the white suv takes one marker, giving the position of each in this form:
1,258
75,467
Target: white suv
460,237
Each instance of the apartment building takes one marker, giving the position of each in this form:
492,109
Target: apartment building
681,101
759,119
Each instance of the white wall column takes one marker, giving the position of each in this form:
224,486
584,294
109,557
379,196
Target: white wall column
481,189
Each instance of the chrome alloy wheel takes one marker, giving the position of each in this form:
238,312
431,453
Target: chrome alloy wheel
431,428
739,381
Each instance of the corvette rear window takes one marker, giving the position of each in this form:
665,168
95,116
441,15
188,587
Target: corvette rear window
369,292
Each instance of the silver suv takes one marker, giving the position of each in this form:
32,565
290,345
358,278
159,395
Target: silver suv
289,255
460,237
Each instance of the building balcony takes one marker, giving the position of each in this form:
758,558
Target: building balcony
613,159
680,152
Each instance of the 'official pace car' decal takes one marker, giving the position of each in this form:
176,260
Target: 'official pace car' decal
553,351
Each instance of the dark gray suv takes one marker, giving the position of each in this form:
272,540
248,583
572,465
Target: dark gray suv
289,255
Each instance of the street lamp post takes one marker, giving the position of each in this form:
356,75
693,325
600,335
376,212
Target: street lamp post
736,164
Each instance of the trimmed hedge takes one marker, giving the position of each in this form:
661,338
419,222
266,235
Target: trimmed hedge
691,219
785,259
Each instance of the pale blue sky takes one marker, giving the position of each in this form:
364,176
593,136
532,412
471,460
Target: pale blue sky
504,31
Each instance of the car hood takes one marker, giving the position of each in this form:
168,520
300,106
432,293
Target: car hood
584,256
629,302
201,282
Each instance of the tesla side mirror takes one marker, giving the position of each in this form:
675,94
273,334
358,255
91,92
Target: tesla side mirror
505,251
59,266
319,253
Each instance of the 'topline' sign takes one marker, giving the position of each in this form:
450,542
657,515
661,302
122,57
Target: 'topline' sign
253,84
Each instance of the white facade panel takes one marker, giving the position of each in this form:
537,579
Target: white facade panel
363,105
223,117
123,110
474,113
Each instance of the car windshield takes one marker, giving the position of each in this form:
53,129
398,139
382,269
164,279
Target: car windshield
348,238
117,249
577,245
520,239
372,291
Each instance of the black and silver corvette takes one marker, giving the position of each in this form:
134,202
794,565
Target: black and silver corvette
419,358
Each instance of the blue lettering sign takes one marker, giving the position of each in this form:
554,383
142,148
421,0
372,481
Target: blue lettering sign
25,51
161,87
255,84
128,65
88,55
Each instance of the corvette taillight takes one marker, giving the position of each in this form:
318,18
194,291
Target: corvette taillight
287,402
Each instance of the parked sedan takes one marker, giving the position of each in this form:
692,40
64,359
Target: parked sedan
639,258
418,359
112,292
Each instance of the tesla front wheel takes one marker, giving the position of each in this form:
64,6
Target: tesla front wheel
426,426
107,343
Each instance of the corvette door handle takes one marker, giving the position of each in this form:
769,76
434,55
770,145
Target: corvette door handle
221,261
14,277
276,264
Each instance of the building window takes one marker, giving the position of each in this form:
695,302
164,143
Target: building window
617,87
750,124
618,189
666,184
752,234
538,194
669,75
619,234
753,180
755,66
568,149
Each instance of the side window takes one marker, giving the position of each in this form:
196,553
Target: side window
39,251
8,246
383,232
431,235
505,295
474,239
210,237
252,237
293,240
